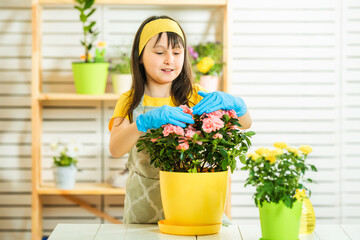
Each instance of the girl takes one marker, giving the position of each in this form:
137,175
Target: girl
162,81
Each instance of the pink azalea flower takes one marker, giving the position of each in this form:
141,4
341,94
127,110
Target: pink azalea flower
208,125
234,127
179,131
218,123
212,124
183,146
217,114
169,128
199,142
153,140
186,109
231,113
218,135
189,133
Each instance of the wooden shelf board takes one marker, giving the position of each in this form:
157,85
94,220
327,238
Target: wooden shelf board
77,97
81,189
147,2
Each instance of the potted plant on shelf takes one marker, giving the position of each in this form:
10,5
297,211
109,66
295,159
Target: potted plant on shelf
90,75
121,74
206,60
277,176
194,163
65,161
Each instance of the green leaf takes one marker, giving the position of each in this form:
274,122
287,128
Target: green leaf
182,156
78,8
250,133
243,159
223,152
88,4
83,18
91,12
92,24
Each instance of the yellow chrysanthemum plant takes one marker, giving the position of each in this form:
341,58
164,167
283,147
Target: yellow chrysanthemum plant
278,174
206,58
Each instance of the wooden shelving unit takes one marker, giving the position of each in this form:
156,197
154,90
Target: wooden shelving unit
38,98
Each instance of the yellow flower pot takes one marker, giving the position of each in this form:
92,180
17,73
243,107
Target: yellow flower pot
193,199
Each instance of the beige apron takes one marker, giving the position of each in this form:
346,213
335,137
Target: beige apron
142,199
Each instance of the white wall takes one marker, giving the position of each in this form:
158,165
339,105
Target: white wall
295,63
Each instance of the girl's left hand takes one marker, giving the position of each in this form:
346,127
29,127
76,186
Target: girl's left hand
219,100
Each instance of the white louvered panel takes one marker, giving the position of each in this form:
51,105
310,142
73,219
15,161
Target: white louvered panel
283,77
16,51
20,39
286,67
351,112
111,165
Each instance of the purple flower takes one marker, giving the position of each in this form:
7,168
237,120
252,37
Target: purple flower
191,50
192,53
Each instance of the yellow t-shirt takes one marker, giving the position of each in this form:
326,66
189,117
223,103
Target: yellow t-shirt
120,107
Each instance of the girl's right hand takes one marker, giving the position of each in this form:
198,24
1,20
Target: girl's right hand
163,115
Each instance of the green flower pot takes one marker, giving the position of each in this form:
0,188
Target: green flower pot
279,222
90,78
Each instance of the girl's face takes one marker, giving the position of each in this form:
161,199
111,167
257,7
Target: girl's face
162,63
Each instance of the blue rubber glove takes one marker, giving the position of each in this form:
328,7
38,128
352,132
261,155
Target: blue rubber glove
219,100
163,115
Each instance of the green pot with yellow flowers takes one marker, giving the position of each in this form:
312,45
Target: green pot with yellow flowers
206,60
278,174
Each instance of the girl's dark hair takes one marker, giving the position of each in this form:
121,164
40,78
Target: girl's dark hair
181,88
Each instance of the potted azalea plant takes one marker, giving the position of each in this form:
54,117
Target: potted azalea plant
194,163
206,59
278,175
90,75
65,161
121,74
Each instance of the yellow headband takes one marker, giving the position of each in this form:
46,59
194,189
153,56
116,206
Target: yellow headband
155,27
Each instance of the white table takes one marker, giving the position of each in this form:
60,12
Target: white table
151,232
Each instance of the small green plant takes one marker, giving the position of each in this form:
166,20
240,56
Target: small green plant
65,154
90,35
277,174
123,66
206,58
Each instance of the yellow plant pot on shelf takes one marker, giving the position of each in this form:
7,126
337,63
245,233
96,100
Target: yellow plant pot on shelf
193,199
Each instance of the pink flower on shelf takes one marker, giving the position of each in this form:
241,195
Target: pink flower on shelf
231,113
169,128
186,109
218,135
183,146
